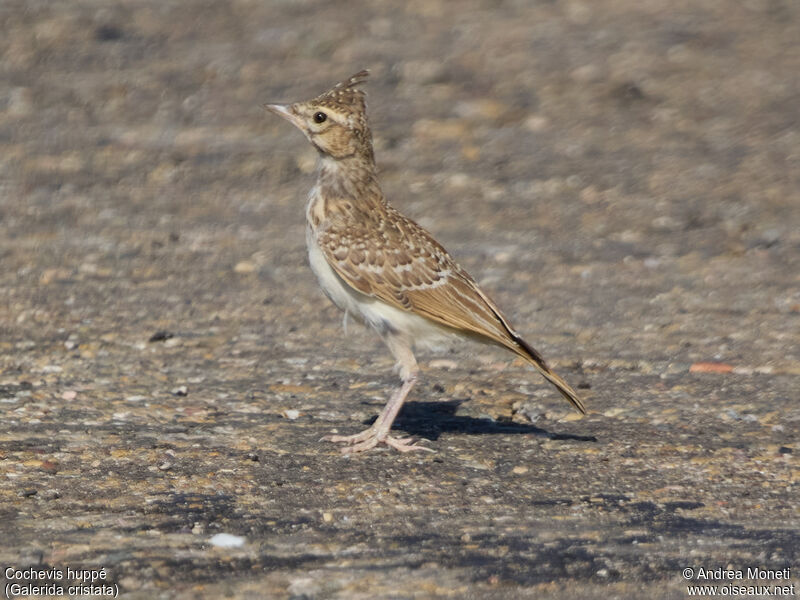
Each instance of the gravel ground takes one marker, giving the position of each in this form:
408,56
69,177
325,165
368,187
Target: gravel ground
623,176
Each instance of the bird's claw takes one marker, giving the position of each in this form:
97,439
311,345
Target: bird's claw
366,440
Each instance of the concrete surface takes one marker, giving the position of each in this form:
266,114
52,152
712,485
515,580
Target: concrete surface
623,176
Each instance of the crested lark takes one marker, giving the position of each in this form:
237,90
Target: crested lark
382,267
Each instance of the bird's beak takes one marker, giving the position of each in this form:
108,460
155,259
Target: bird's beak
285,111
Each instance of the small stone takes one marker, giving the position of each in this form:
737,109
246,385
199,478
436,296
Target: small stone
135,398
49,466
181,390
291,414
519,470
710,367
160,336
573,416
536,123
244,267
602,573
442,363
69,395
327,517
304,587
226,540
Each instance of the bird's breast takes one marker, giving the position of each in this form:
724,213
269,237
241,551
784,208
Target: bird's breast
372,311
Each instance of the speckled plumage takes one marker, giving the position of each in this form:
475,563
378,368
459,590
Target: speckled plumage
382,267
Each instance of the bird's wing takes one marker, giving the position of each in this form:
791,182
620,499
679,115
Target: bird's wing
400,263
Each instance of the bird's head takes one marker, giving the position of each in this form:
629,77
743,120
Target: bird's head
334,122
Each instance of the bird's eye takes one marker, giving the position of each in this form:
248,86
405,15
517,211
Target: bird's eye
320,117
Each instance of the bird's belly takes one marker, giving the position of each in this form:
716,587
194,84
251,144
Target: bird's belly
373,312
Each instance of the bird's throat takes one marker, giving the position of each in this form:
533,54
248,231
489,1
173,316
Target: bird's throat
348,184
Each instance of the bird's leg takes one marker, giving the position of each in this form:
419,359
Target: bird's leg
394,404
378,432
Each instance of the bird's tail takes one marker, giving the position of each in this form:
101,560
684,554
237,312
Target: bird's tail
530,354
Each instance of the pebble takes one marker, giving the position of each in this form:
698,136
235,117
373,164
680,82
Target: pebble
710,367
160,336
304,587
291,414
536,123
573,416
442,363
226,540
181,390
244,267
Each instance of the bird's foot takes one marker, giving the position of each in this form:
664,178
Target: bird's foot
351,439
369,438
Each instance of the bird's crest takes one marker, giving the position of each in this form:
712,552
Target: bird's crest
345,95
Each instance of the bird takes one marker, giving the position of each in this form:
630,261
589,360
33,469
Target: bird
381,267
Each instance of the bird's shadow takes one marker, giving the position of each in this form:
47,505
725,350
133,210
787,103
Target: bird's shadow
430,419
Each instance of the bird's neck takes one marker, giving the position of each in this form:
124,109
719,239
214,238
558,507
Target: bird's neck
353,179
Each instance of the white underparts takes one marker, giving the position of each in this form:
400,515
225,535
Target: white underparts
383,318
